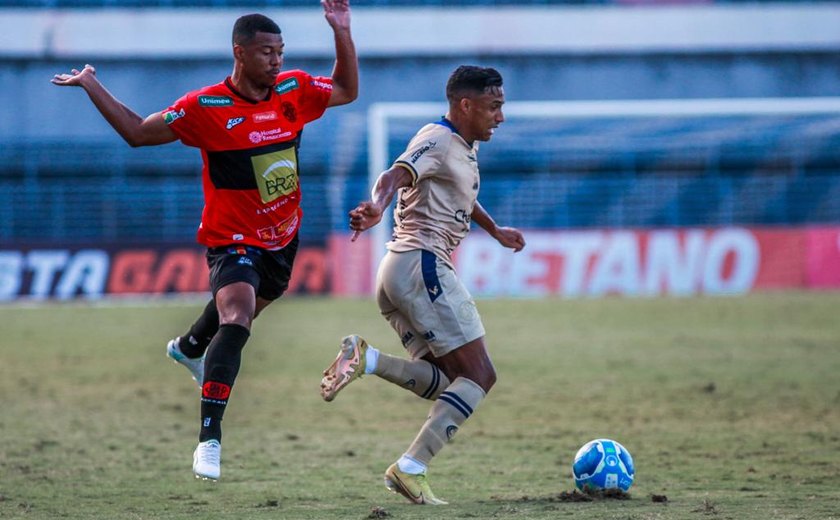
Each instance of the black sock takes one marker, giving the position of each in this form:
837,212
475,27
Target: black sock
224,356
195,342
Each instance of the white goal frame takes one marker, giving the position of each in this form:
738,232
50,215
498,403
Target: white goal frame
380,114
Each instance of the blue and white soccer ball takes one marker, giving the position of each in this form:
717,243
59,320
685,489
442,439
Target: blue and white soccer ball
603,464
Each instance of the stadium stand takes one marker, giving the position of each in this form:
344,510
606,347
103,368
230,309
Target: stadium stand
88,185
664,172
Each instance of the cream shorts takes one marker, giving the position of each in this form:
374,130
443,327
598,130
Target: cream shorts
426,304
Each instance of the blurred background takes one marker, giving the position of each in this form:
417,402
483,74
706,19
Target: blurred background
651,148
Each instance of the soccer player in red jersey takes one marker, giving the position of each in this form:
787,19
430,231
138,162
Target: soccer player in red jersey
248,128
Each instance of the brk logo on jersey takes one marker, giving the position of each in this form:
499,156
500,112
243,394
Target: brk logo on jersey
170,116
233,121
215,101
276,174
286,86
419,153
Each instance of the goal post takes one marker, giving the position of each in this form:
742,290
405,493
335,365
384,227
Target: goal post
383,117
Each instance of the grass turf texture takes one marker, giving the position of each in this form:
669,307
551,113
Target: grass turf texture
730,407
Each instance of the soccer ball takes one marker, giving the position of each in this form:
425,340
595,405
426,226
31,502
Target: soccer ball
603,464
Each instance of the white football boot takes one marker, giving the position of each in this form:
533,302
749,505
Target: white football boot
207,460
194,365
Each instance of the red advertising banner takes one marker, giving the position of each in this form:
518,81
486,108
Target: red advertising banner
590,263
680,262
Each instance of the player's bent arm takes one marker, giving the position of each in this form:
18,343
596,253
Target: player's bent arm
345,74
506,236
369,213
136,130
388,183
484,220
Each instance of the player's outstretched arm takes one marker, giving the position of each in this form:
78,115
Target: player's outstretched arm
134,129
368,214
345,74
507,236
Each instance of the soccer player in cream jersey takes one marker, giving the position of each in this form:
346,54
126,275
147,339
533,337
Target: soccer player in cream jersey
417,289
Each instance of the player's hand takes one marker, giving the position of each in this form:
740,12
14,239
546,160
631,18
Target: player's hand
511,237
364,216
337,13
75,78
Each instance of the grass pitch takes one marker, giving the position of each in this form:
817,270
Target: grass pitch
730,407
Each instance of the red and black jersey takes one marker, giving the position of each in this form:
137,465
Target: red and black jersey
250,153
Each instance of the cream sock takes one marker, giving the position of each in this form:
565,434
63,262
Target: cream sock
451,409
417,375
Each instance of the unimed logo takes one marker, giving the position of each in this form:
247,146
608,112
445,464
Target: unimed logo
215,101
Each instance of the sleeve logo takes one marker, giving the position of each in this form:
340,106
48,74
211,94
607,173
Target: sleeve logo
286,86
215,101
321,85
170,116
419,153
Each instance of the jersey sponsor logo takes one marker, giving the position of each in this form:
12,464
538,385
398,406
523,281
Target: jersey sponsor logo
258,136
233,121
462,216
171,116
286,86
215,101
262,117
276,174
277,233
321,85
425,148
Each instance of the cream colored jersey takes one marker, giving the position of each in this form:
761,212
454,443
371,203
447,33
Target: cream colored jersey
434,212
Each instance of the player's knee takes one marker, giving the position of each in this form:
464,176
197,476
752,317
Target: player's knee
488,380
485,378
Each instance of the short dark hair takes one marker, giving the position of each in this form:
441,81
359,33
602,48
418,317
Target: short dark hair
246,27
471,79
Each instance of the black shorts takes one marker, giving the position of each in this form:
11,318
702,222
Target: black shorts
267,271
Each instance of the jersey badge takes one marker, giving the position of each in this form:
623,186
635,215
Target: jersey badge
289,111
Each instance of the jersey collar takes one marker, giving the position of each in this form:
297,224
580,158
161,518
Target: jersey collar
229,85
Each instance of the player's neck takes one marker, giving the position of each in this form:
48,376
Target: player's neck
460,126
248,89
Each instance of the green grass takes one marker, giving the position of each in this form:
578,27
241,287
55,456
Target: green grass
730,407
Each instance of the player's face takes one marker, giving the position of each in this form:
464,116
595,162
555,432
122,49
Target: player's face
485,113
262,58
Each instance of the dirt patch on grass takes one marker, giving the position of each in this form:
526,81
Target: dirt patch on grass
576,496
